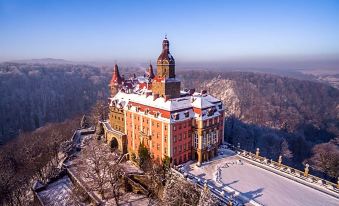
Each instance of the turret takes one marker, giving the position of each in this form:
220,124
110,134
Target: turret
116,81
166,62
150,73
165,84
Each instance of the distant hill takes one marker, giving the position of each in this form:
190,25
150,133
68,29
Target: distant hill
33,94
266,109
42,61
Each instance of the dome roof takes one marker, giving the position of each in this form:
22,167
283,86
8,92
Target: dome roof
165,56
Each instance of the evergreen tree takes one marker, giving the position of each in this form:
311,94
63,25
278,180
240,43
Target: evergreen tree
144,155
99,130
84,123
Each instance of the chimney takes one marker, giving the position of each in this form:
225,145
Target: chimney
167,97
148,94
191,91
155,96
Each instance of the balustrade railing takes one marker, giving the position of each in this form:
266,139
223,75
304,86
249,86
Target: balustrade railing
302,175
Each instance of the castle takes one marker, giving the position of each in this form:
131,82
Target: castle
151,110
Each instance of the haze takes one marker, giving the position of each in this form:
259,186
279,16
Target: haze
273,34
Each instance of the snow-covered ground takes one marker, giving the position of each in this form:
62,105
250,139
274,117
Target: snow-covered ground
258,184
57,193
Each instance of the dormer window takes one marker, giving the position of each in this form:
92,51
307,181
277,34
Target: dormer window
220,106
137,109
146,111
176,116
156,114
187,114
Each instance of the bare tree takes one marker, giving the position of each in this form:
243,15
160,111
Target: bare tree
94,165
285,151
178,191
326,159
99,112
115,179
206,198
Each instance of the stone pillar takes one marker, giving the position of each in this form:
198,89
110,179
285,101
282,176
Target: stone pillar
199,158
207,156
306,170
257,153
230,203
280,160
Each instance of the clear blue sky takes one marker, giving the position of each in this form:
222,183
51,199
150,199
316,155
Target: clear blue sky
228,30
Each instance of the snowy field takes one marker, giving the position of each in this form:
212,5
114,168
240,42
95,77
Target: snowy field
258,184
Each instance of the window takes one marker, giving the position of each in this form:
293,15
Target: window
204,140
180,147
174,138
165,149
157,125
184,124
214,137
179,126
185,135
184,147
195,140
158,147
174,128
165,127
180,137
165,138
175,150
208,137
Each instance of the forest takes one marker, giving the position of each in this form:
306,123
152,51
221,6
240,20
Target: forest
41,104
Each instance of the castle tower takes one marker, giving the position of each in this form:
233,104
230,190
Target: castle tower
116,81
150,73
165,83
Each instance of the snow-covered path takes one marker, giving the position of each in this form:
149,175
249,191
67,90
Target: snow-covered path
259,184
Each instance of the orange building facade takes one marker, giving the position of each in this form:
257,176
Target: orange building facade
179,124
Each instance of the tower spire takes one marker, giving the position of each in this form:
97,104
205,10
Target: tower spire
116,78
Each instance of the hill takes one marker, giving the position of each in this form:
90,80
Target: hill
268,111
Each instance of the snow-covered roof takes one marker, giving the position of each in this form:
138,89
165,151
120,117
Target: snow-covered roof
201,102
181,103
